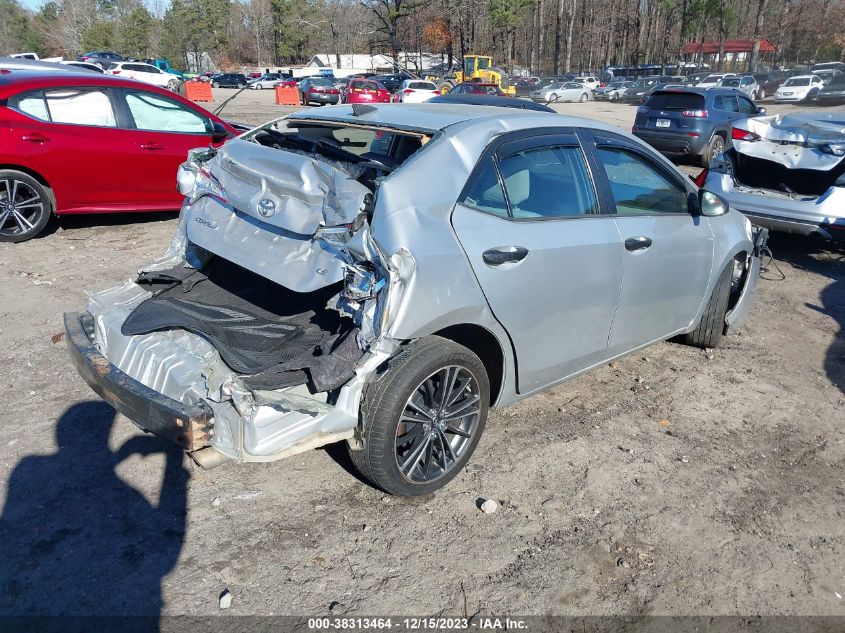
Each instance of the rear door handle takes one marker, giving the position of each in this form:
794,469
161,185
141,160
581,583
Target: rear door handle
152,147
504,255
639,243
35,137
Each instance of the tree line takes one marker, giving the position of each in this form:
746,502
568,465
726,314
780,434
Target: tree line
540,36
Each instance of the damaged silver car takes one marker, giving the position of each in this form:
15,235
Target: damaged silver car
384,275
786,172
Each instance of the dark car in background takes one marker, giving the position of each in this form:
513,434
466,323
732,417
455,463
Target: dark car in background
612,91
833,93
393,81
476,88
229,80
524,86
641,86
768,82
319,90
101,58
692,121
660,85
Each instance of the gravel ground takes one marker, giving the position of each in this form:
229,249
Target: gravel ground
673,481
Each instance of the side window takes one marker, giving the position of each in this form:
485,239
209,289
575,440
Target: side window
548,182
719,102
31,103
731,104
639,187
746,107
80,107
486,192
154,112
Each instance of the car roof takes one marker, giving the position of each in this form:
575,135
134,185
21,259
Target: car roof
437,117
491,100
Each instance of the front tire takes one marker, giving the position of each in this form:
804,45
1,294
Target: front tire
761,94
583,98
214,84
709,330
25,206
422,418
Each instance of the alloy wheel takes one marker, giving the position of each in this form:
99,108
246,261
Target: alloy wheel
718,146
21,207
437,425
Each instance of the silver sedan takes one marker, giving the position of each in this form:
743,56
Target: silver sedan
319,289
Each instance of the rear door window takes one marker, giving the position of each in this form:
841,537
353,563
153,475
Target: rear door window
76,106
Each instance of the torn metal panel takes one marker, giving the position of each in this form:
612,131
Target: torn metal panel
796,141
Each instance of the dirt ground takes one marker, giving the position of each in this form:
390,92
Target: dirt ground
674,481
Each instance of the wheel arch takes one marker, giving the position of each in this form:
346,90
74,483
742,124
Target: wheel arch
34,174
484,344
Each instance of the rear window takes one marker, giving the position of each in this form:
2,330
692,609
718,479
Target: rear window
422,85
797,81
839,80
731,82
675,101
321,82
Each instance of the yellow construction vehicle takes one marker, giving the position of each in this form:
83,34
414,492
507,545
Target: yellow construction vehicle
478,68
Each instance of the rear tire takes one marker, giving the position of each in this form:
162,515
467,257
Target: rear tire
761,94
214,84
583,98
713,149
25,206
419,398
709,330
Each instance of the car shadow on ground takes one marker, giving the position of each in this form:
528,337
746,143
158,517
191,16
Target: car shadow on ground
78,540
828,260
75,222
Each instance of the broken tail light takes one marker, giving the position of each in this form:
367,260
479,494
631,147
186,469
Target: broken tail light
207,185
738,134
695,114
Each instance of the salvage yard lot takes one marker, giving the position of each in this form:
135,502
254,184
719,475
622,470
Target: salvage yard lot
675,481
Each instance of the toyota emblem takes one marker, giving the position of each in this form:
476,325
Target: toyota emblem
266,208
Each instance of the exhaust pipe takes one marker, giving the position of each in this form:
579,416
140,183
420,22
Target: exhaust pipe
208,458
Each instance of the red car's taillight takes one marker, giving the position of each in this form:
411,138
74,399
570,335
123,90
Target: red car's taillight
408,91
695,114
313,89
701,178
115,72
332,91
738,134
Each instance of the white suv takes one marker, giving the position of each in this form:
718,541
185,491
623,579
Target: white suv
144,72
590,82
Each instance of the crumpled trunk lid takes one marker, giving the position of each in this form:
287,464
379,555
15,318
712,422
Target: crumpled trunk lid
273,203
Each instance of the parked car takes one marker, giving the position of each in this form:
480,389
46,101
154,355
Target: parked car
745,84
392,81
799,88
83,65
692,121
713,79
589,81
786,172
833,93
103,59
265,81
319,90
290,82
525,85
570,91
659,86
612,91
416,91
768,83
144,72
635,93
441,305
366,91
826,75
476,88
693,79
229,80
491,100
60,124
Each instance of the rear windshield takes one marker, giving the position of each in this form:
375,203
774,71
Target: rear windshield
711,79
839,80
731,82
797,81
422,85
675,101
364,85
319,81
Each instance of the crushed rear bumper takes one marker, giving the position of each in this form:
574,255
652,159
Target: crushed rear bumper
190,426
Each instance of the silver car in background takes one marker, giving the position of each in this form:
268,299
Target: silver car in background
385,274
562,91
745,84
786,172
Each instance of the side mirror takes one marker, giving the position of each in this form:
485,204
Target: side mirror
710,205
761,110
219,133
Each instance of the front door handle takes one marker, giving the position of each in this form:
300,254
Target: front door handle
639,243
35,137
152,147
504,255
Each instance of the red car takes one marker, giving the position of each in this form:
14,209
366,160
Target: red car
366,91
475,88
77,142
